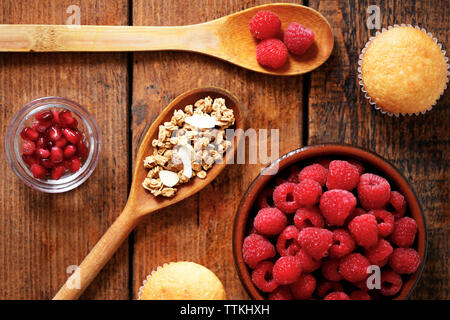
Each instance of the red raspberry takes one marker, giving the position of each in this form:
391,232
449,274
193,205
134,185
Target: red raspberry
362,285
271,53
385,222
364,229
262,277
265,24
342,175
288,175
308,217
287,242
358,166
284,198
360,295
307,192
379,253
326,287
255,249
307,262
324,162
265,199
391,283
281,293
270,221
304,287
279,181
356,212
287,270
330,270
373,191
293,174
338,295
315,241
298,38
398,202
343,244
404,260
404,233
314,172
336,205
354,267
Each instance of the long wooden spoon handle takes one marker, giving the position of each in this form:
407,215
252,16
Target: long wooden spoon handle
98,257
46,38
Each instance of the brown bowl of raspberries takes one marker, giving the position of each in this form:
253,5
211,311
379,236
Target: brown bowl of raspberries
335,222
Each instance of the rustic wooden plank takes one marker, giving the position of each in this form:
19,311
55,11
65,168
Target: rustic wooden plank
418,146
200,228
42,234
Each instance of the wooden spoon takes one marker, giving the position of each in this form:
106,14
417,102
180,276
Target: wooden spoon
227,38
140,202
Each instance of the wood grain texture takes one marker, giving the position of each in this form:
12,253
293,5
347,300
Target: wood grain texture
200,228
42,234
417,145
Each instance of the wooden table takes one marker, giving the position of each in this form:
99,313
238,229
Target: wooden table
42,234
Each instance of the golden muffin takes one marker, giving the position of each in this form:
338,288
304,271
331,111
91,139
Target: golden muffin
182,281
403,71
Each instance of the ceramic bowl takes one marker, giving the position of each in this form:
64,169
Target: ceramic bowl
304,156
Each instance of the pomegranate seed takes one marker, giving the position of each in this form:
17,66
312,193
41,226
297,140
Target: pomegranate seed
28,148
23,133
44,116
66,118
43,153
66,164
74,164
55,114
83,151
71,135
41,127
58,172
61,142
56,155
65,113
47,163
30,160
74,124
69,151
54,133
29,134
43,143
79,134
38,171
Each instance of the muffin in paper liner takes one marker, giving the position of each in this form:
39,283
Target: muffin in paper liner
181,280
360,73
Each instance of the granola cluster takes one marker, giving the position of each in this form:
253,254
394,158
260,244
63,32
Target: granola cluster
188,146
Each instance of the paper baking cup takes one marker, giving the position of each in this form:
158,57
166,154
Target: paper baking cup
361,83
141,289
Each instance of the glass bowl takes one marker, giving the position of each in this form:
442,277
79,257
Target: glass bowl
25,117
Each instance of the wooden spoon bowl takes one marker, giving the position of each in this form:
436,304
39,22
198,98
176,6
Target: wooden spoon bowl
304,156
239,46
143,201
140,202
227,38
